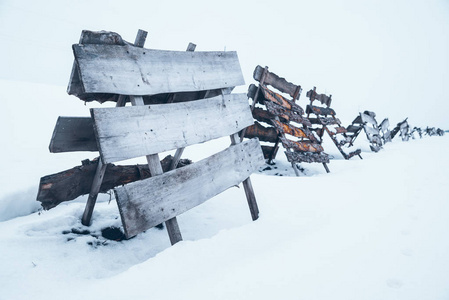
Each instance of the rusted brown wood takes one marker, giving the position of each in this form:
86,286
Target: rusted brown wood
336,130
286,114
77,181
304,146
320,111
324,121
262,115
277,82
322,98
280,100
265,134
268,151
295,131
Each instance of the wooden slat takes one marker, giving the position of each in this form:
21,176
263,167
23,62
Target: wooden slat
385,124
325,121
265,134
295,131
262,115
129,132
352,128
73,134
320,111
322,98
305,146
280,100
130,70
149,202
368,119
72,183
370,130
287,115
277,82
298,157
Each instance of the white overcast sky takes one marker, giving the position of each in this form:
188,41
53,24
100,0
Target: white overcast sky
388,56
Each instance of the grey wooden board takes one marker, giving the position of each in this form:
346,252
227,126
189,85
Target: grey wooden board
130,70
73,134
146,203
370,130
128,132
368,119
91,37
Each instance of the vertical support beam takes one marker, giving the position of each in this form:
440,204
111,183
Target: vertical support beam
295,168
92,199
154,164
247,185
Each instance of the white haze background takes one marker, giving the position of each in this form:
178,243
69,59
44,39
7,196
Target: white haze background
383,237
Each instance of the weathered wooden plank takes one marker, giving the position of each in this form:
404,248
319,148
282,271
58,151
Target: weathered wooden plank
295,131
335,130
277,82
129,132
130,70
262,115
322,98
72,183
302,146
287,114
368,119
384,124
280,100
149,202
298,157
93,37
353,128
357,120
320,111
101,168
265,134
267,151
325,121
73,134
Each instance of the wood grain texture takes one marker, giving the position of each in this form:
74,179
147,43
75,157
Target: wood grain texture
130,70
366,118
128,132
319,111
72,183
322,98
73,134
277,82
92,37
149,202
297,157
265,134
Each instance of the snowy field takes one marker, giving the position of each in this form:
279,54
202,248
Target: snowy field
375,228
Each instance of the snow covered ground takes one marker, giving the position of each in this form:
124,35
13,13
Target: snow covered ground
375,228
